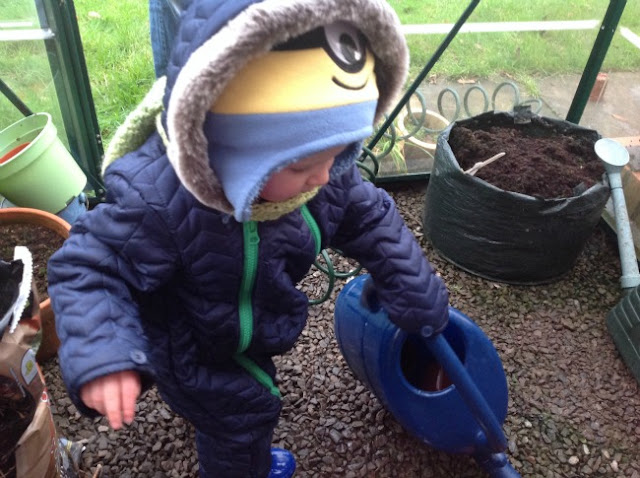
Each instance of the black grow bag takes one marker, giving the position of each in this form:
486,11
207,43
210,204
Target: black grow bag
502,235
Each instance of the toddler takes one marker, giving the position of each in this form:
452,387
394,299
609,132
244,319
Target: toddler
186,275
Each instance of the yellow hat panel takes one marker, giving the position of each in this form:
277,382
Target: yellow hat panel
296,80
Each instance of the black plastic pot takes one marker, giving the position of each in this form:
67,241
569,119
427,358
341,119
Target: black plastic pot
502,235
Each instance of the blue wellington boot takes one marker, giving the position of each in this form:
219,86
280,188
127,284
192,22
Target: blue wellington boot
283,464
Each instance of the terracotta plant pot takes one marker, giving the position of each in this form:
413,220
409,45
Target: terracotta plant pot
50,343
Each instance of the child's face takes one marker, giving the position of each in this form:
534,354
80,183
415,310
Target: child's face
300,177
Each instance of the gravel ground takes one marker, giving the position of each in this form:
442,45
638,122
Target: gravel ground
574,408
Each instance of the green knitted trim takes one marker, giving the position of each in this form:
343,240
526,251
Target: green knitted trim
138,125
269,211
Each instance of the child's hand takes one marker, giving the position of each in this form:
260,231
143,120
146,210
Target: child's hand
114,396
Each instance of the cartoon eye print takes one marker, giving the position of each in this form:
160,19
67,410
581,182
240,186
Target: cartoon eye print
346,46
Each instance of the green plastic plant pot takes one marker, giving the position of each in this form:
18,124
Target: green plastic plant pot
36,170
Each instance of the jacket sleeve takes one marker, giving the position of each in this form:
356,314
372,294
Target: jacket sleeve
118,248
372,231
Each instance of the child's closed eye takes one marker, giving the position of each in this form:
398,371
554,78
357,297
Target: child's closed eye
299,169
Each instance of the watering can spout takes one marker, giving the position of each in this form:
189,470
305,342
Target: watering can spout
614,157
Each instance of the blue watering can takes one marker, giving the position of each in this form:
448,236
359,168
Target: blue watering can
450,390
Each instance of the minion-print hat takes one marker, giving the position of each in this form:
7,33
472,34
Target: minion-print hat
256,86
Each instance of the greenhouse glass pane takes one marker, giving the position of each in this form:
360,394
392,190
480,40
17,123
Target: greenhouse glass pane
24,64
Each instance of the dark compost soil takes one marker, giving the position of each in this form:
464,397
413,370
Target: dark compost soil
551,165
40,241
16,412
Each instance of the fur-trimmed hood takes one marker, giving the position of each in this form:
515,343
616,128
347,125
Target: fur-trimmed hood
217,38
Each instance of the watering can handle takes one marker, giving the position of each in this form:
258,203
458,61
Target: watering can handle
470,394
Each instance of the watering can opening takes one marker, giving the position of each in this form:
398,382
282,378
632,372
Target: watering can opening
421,369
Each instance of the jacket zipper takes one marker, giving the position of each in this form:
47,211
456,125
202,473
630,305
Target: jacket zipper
251,240
245,307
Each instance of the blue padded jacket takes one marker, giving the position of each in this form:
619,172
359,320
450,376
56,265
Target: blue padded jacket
150,281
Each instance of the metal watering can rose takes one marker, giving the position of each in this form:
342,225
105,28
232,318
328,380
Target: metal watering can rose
450,391
623,321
